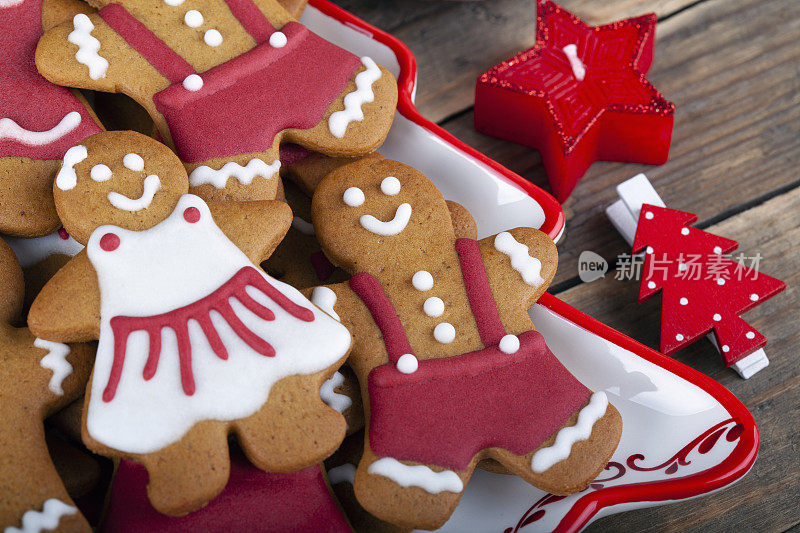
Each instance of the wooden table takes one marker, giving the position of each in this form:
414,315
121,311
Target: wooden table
732,68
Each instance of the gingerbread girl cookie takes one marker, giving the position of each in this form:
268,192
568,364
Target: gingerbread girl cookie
40,377
225,82
195,341
451,368
39,121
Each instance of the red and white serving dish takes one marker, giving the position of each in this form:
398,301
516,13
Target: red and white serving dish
684,434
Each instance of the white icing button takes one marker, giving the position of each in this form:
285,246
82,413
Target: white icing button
193,18
277,39
212,38
750,335
509,344
720,281
649,215
193,82
433,306
753,297
133,162
684,301
444,333
651,284
407,363
422,280
353,197
678,337
100,172
173,3
717,317
726,348
390,186
717,250
685,231
649,249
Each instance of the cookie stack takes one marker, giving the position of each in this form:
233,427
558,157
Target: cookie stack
241,317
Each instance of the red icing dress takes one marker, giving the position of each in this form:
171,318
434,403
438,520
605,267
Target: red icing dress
29,104
244,102
449,409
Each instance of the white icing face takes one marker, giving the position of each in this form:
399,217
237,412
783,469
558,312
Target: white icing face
390,186
11,130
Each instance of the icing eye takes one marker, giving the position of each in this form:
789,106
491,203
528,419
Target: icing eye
100,173
109,242
133,162
353,197
191,215
390,186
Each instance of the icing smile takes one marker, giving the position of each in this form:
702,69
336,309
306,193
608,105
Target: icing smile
391,227
151,185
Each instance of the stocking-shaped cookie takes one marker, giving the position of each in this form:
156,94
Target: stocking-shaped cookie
451,368
39,121
195,342
225,82
40,377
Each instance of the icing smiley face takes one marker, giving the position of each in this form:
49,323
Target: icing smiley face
120,178
381,203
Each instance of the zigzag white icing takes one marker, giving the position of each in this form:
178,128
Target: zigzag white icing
46,519
218,178
88,47
338,121
55,360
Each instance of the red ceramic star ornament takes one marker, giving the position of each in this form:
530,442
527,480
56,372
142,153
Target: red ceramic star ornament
701,289
578,96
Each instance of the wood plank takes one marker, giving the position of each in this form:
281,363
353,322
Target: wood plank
454,46
735,136
766,499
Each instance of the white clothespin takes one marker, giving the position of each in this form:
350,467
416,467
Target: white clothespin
624,215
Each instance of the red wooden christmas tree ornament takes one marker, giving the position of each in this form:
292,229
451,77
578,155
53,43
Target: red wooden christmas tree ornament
701,289
578,96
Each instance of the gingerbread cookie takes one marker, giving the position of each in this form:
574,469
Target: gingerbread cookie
451,368
253,500
341,468
226,81
39,121
40,378
195,342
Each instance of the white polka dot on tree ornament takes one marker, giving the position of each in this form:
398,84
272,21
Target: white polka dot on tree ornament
684,301
750,335
717,317
679,337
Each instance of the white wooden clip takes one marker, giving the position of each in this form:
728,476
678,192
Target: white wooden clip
624,215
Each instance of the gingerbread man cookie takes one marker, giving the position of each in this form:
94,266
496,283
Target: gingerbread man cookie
40,377
195,342
225,82
39,121
451,368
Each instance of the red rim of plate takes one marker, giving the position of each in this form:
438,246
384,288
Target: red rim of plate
553,214
743,455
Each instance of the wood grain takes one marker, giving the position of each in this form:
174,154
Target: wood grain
736,128
766,499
